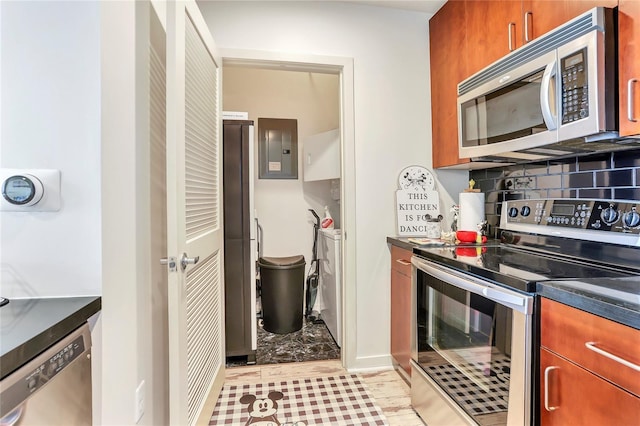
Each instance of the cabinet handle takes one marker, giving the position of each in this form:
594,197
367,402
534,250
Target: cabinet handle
546,388
592,346
630,96
511,24
526,26
403,262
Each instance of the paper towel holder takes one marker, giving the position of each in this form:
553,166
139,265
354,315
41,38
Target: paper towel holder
471,187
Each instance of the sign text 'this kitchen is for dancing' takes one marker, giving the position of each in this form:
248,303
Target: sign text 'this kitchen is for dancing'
416,201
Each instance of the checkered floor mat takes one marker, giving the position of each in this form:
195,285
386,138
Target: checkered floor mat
478,395
340,400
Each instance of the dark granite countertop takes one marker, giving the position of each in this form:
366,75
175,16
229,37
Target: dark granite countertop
28,326
616,299
401,242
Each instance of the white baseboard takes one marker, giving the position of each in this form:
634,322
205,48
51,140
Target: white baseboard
371,363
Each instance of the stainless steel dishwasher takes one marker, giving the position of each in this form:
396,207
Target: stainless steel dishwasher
54,388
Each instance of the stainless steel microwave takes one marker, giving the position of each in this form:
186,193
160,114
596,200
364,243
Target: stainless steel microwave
553,97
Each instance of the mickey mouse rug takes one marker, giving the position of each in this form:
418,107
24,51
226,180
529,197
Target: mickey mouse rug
340,400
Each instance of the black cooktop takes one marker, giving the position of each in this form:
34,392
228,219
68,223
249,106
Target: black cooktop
516,267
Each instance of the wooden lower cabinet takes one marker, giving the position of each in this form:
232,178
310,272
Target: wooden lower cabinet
589,368
572,395
401,307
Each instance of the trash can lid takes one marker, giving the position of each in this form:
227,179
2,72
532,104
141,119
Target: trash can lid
282,261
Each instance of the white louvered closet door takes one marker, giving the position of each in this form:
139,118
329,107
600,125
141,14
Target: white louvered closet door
194,216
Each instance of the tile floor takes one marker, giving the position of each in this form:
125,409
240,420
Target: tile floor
388,389
312,342
312,352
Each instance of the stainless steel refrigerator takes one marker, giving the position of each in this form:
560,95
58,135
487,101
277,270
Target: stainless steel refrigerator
240,246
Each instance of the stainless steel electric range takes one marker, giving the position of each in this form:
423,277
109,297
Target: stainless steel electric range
475,329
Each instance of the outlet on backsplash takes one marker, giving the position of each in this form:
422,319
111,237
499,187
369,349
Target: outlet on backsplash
519,183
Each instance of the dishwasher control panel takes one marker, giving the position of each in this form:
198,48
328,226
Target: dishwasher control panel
38,372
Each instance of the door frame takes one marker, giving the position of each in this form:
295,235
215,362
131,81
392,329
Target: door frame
343,67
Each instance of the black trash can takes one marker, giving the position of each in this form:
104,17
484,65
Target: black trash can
282,284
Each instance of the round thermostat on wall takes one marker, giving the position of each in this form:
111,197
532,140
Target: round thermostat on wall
22,190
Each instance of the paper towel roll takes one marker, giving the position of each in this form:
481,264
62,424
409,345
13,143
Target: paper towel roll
471,210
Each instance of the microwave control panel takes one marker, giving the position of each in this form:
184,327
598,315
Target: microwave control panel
593,215
575,93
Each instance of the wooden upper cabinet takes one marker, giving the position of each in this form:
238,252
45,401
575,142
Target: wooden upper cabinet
448,68
629,66
541,17
494,28
468,35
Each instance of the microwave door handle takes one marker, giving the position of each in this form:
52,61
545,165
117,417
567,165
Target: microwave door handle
545,97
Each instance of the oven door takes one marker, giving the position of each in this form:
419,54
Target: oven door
471,349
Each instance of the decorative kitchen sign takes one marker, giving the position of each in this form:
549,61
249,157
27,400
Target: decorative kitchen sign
417,202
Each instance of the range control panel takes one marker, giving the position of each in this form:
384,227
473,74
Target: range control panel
593,215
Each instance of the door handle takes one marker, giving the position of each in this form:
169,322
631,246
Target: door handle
592,346
527,39
630,100
185,260
511,24
545,97
546,388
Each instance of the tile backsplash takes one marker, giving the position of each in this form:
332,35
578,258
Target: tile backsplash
609,176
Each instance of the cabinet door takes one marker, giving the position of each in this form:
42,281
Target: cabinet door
543,16
401,307
604,347
401,319
448,68
494,28
629,66
571,395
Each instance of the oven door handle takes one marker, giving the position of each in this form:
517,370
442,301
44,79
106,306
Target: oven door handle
513,299
500,296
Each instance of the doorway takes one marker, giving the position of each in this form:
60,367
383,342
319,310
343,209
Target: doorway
312,94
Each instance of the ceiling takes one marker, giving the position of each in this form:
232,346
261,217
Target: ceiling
430,6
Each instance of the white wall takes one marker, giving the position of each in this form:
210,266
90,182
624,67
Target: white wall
392,118
134,307
282,204
51,119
